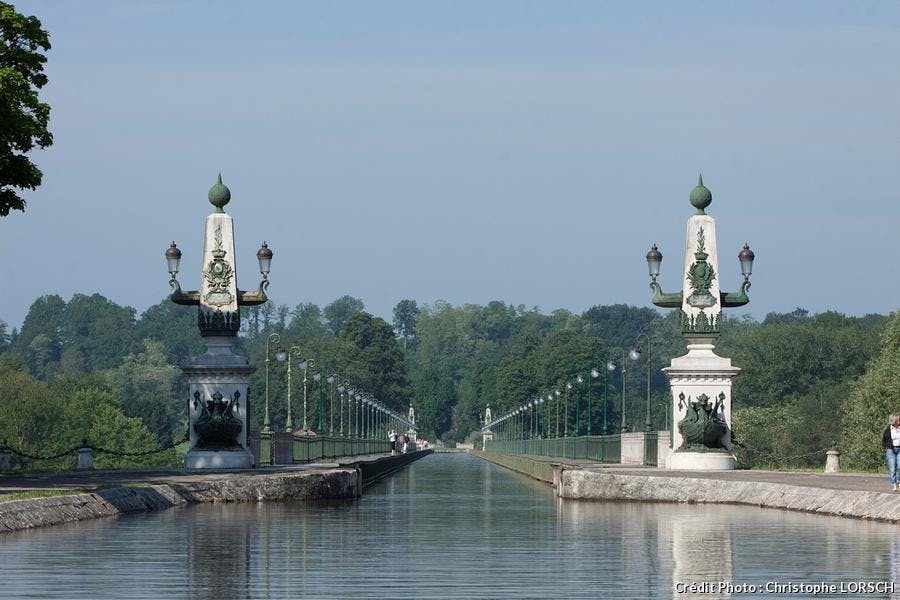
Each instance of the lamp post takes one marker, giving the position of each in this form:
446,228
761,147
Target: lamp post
330,381
341,387
289,423
579,380
557,394
320,409
280,356
636,354
610,367
566,411
594,375
306,364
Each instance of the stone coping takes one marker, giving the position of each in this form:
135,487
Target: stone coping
691,487
856,495
122,492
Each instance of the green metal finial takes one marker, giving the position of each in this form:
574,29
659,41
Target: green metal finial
701,197
219,195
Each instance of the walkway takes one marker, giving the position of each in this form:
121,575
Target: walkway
92,480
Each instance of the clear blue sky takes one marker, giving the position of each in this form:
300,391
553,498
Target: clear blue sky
467,151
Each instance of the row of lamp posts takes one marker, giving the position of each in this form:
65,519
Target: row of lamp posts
525,420
358,414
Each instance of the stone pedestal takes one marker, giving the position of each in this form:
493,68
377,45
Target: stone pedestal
701,372
832,461
219,371
85,459
487,436
632,452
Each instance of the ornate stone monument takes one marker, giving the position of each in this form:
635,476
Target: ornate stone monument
412,433
701,380
487,435
218,406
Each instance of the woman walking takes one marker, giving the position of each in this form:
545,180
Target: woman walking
891,442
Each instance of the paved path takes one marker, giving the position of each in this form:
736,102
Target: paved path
863,482
90,480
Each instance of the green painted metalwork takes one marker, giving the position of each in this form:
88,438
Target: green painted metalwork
701,197
219,195
217,428
701,428
600,448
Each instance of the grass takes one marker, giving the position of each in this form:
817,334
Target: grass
29,494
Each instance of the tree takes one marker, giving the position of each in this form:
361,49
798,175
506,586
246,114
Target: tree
380,357
40,340
405,314
100,329
147,385
23,115
873,398
175,327
306,321
337,313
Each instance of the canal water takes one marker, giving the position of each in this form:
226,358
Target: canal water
448,526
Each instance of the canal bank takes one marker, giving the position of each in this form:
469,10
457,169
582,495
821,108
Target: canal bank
104,494
844,495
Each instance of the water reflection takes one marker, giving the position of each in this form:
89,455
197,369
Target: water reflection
450,526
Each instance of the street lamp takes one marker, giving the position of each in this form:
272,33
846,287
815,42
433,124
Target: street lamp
306,365
330,381
566,411
579,380
317,378
636,354
289,423
557,393
594,375
341,388
610,367
280,356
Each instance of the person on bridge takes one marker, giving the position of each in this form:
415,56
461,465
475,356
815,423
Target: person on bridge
891,442
392,436
405,442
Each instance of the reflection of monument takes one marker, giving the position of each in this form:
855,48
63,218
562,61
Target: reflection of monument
218,379
701,552
701,380
487,436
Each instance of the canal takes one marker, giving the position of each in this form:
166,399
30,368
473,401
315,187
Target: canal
449,526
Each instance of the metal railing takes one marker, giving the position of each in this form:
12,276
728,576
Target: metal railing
601,448
308,448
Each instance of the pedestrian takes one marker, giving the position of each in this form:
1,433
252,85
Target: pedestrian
392,435
405,442
891,442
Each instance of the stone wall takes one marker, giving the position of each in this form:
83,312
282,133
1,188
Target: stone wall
594,485
40,512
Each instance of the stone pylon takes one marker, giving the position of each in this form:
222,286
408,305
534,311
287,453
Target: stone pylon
701,380
218,379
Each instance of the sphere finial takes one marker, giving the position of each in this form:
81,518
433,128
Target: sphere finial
219,195
701,197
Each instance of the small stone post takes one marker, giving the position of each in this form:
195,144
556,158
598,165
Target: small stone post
85,457
833,461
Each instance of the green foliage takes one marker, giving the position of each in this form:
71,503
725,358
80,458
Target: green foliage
337,313
45,420
24,117
148,386
381,362
405,314
875,396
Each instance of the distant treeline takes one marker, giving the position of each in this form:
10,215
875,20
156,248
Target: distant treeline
91,368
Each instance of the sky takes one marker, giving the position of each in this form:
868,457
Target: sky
466,151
